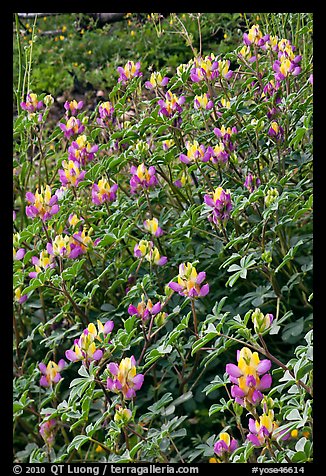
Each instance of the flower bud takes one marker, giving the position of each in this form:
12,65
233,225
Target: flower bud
261,322
48,100
267,257
122,415
271,196
160,318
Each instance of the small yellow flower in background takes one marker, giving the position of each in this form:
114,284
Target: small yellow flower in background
306,434
64,28
27,25
257,17
30,42
99,449
213,460
45,18
30,30
132,33
225,36
75,64
56,38
129,22
294,433
82,31
61,37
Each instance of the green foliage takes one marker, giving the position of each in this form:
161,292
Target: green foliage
84,259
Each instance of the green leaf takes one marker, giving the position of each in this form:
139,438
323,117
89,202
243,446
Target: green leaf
77,442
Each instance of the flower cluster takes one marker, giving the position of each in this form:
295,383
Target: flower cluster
249,377
44,261
103,192
72,127
189,282
42,204
171,105
71,174
129,71
85,347
204,68
146,249
251,182
51,372
31,104
124,378
72,107
225,445
142,177
203,101
106,111
156,81
152,227
145,310
221,204
81,151
194,152
276,132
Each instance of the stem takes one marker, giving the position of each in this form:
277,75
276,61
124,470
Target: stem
195,317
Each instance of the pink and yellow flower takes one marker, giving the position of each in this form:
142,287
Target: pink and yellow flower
85,347
152,227
194,152
72,107
124,377
44,261
129,71
171,105
142,177
221,206
72,127
145,310
203,101
31,104
156,81
225,445
81,151
42,204
261,429
51,372
249,377
204,68
106,111
71,175
102,192
189,282
48,431
146,249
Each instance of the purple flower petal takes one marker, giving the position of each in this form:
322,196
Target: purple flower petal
233,370
113,368
175,286
138,381
44,382
263,366
265,382
204,290
98,354
71,355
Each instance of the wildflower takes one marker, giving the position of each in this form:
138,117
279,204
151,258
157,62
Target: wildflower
225,134
156,80
225,103
19,254
261,322
311,79
72,127
182,180
48,430
106,111
270,89
60,246
103,192
204,68
271,196
51,372
130,70
124,378
31,104
43,262
286,65
255,36
194,152
85,347
81,151
224,70
251,182
19,297
189,282
152,227
221,204
72,107
81,242
146,249
145,310
142,177
167,144
246,54
248,377
217,154
225,444
71,175
171,105
203,102
42,204
275,131
264,428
